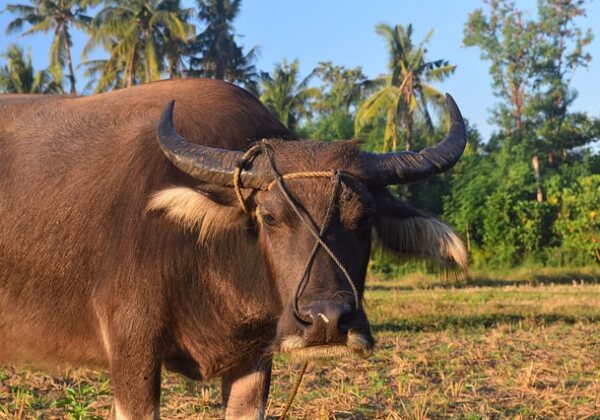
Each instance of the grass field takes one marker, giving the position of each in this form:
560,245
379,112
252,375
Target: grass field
522,344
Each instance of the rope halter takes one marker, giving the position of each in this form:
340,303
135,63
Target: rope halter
279,181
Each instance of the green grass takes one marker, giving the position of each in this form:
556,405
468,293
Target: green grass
518,344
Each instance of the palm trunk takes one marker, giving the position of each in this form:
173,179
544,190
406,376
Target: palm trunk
148,75
394,141
536,173
468,237
409,123
173,67
147,61
129,80
220,70
69,63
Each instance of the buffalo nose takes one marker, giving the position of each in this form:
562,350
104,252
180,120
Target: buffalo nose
327,322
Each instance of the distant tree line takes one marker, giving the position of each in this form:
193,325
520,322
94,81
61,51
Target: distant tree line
529,194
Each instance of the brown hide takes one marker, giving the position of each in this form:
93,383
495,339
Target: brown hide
79,253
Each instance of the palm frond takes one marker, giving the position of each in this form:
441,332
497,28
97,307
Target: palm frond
410,74
41,26
20,9
151,60
441,73
374,106
57,58
15,26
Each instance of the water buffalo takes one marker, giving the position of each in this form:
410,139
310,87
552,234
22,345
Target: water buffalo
204,252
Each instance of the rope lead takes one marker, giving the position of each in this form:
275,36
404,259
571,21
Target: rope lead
290,400
336,180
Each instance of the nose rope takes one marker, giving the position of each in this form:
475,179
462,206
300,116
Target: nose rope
319,242
336,178
303,282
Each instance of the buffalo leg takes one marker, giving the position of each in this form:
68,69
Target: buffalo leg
136,386
246,389
135,364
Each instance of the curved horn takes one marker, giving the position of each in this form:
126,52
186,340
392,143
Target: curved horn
208,164
405,167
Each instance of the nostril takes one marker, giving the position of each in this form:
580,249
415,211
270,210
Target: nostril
328,314
310,315
304,319
346,311
326,321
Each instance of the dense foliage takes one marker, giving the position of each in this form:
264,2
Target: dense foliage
528,194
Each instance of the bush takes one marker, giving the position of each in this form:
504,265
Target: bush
578,222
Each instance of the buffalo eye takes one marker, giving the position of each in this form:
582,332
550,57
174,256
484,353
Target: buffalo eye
365,221
268,219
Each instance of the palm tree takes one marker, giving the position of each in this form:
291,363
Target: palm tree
343,88
284,96
173,48
58,16
407,89
215,52
134,32
103,75
18,75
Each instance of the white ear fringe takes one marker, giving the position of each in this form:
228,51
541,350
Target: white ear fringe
194,211
421,237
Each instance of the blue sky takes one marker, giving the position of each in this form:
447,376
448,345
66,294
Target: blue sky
343,33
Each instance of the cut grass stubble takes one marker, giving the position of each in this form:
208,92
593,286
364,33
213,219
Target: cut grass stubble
521,344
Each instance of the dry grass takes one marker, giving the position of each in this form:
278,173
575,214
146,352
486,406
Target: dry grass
518,345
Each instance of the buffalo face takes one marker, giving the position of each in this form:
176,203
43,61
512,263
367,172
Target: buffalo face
313,207
321,286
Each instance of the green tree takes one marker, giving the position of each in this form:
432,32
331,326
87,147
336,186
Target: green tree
472,182
407,90
103,75
285,96
334,105
18,75
215,52
57,16
578,224
531,64
505,39
342,88
561,53
134,32
173,48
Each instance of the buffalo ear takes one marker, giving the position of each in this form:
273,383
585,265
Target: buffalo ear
410,233
213,214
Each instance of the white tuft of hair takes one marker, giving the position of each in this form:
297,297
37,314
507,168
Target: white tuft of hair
195,211
423,237
291,343
297,348
321,353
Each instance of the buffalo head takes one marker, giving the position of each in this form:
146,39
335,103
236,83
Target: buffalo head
314,207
